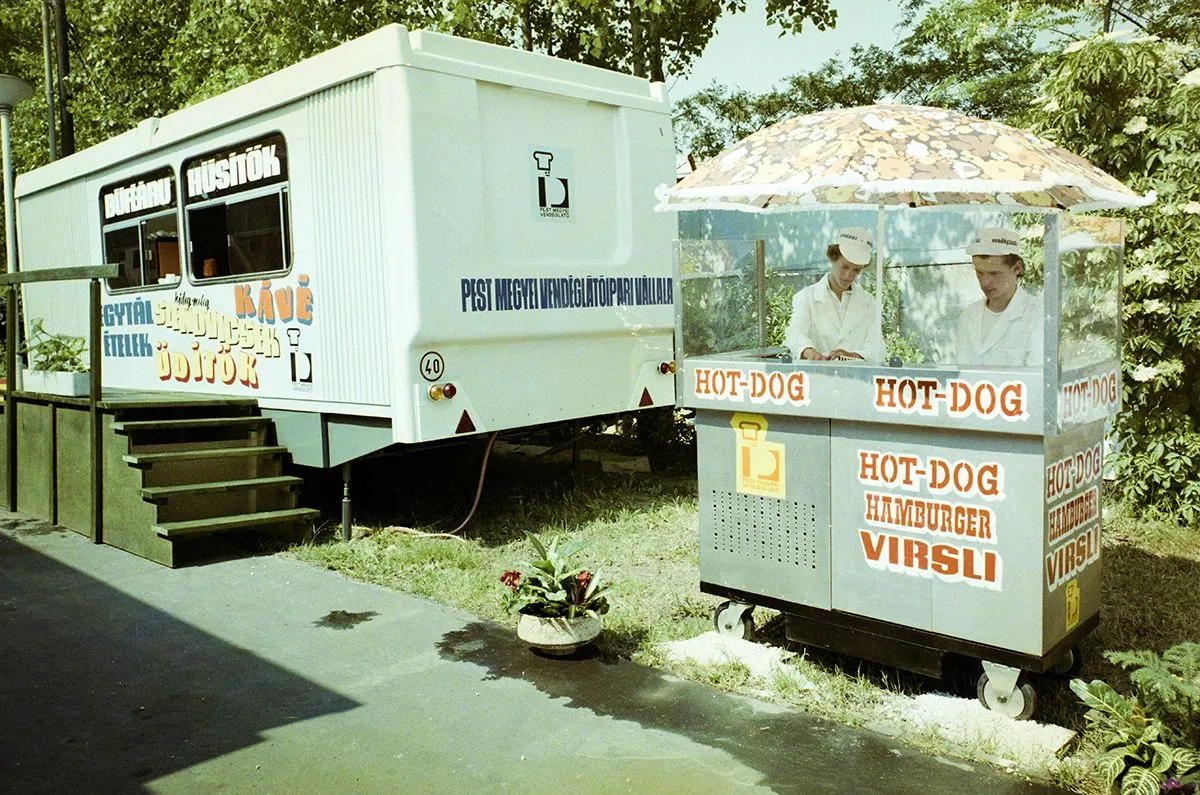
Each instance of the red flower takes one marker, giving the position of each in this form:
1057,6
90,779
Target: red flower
581,585
512,579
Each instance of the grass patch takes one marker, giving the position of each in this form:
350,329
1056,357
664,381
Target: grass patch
642,530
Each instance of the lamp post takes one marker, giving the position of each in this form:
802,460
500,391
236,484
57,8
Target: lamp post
13,90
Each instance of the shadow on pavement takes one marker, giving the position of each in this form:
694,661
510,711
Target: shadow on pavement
793,751
103,693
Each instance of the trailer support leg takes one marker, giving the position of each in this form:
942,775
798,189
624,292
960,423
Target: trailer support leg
346,501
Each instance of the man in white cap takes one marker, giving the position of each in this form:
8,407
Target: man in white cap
1004,328
833,319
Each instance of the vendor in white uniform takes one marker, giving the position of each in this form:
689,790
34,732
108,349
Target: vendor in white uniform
1004,328
834,319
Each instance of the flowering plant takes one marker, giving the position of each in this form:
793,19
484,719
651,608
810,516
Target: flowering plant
554,586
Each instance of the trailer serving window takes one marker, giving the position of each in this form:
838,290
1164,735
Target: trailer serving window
141,229
237,210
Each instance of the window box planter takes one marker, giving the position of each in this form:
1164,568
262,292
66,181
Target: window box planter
54,382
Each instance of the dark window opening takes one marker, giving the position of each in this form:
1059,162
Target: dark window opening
239,238
161,246
148,253
121,247
207,238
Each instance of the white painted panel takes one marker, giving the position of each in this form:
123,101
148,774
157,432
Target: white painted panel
345,187
54,230
531,208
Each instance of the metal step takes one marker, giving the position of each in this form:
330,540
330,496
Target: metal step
221,524
200,422
145,460
160,494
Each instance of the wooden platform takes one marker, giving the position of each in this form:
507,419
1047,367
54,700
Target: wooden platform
173,469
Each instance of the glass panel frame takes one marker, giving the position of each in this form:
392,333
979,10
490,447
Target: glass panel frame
224,247
140,229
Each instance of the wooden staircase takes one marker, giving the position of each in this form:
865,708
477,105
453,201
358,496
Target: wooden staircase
187,473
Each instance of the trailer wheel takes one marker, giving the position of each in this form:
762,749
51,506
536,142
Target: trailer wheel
1069,664
736,620
1017,705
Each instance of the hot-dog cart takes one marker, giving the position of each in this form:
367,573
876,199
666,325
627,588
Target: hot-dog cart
906,510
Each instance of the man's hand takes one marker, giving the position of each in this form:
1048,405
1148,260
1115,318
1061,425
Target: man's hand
812,354
838,353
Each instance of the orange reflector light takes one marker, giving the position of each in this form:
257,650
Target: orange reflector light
435,392
667,367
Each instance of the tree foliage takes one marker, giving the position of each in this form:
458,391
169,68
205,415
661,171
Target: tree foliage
980,57
131,60
1131,107
1129,103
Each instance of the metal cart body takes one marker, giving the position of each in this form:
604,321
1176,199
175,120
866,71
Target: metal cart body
900,513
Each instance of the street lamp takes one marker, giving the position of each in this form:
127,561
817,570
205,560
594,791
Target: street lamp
13,90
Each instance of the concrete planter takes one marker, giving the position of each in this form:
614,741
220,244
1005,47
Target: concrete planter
56,383
559,636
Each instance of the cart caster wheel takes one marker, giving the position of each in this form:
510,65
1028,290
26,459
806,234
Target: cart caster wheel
734,619
1018,706
1070,664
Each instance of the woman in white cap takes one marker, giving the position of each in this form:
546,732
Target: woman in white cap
834,319
1004,328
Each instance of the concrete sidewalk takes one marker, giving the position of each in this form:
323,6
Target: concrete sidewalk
264,675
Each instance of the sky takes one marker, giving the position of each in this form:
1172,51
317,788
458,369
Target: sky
748,53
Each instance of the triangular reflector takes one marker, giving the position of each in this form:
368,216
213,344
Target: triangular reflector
465,425
646,399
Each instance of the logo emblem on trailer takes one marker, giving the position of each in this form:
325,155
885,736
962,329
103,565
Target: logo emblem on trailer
302,363
553,172
759,464
1072,593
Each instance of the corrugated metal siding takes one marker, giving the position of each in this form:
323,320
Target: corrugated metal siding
348,240
53,229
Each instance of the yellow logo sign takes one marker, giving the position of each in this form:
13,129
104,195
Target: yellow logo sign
1072,604
759,462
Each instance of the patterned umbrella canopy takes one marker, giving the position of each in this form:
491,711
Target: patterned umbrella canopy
898,156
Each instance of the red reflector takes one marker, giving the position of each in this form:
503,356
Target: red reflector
449,391
646,399
465,425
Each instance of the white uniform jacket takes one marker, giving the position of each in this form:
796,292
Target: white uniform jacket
1015,339
817,322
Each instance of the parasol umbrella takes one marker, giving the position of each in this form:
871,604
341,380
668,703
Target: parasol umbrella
895,156
890,156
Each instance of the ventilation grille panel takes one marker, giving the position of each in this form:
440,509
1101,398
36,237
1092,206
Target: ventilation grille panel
778,531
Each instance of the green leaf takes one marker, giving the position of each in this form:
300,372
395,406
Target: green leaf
1100,696
1140,781
1109,766
1186,760
537,543
1164,758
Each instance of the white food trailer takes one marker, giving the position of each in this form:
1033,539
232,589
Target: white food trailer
410,237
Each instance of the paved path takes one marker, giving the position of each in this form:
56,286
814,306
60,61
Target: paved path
263,675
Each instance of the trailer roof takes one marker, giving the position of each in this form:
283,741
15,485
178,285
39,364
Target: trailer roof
389,46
